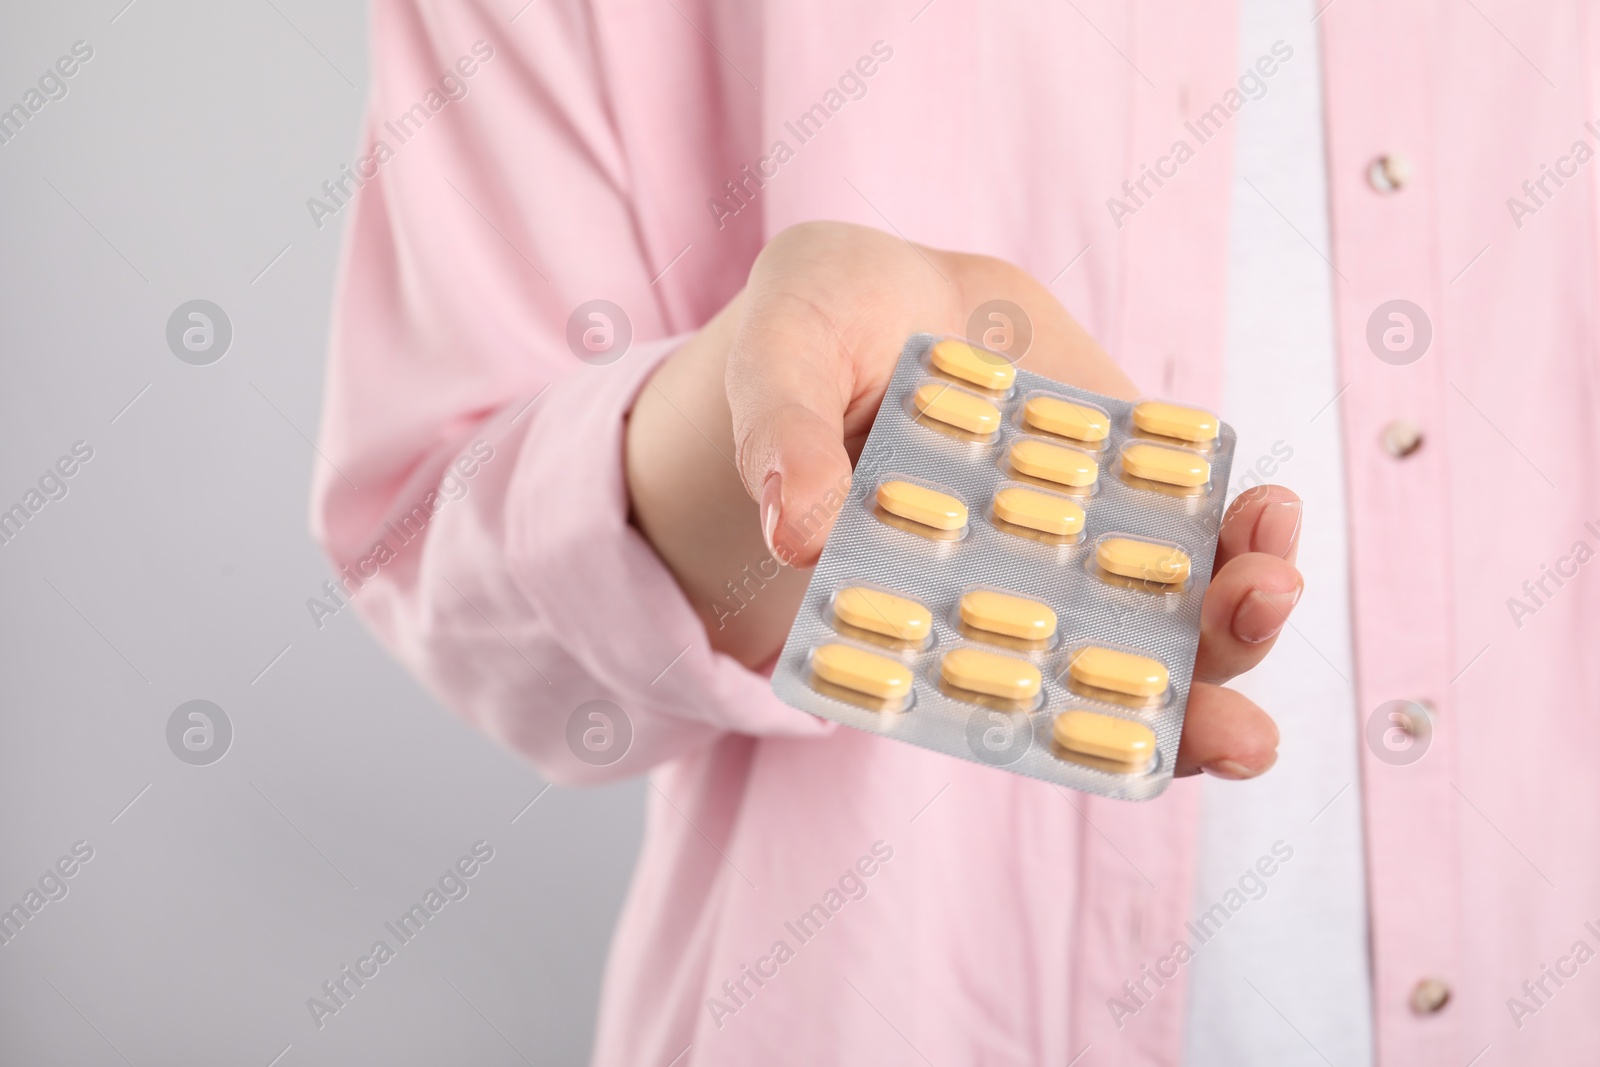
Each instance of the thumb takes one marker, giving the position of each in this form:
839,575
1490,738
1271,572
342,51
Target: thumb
787,391
805,481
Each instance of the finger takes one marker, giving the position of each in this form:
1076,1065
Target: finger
1265,518
1246,607
824,314
788,383
1226,735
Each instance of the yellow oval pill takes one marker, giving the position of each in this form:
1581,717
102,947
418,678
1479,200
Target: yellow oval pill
1069,418
921,504
1044,512
1170,466
991,674
960,360
1120,672
956,408
883,613
1144,560
1121,741
864,672
1013,616
1064,466
1173,420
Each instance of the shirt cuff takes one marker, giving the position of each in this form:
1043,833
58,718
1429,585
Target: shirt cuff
615,607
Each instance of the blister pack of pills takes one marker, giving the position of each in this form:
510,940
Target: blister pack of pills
1016,575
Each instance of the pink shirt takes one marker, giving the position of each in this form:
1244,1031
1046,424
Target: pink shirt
815,895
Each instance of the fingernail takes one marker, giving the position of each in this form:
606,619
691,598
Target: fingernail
1261,615
1234,771
771,506
1277,528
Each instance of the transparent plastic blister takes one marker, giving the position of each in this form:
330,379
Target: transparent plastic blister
1123,569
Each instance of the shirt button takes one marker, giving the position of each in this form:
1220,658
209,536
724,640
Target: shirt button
1390,173
1429,996
1401,438
1415,718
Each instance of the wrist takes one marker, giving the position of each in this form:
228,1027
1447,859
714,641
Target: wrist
687,499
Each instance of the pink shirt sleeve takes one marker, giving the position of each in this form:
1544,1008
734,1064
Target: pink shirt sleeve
470,488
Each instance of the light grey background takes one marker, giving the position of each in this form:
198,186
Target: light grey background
178,566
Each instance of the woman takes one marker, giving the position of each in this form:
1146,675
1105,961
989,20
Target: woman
602,265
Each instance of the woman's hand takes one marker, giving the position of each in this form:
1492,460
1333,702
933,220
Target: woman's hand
740,448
